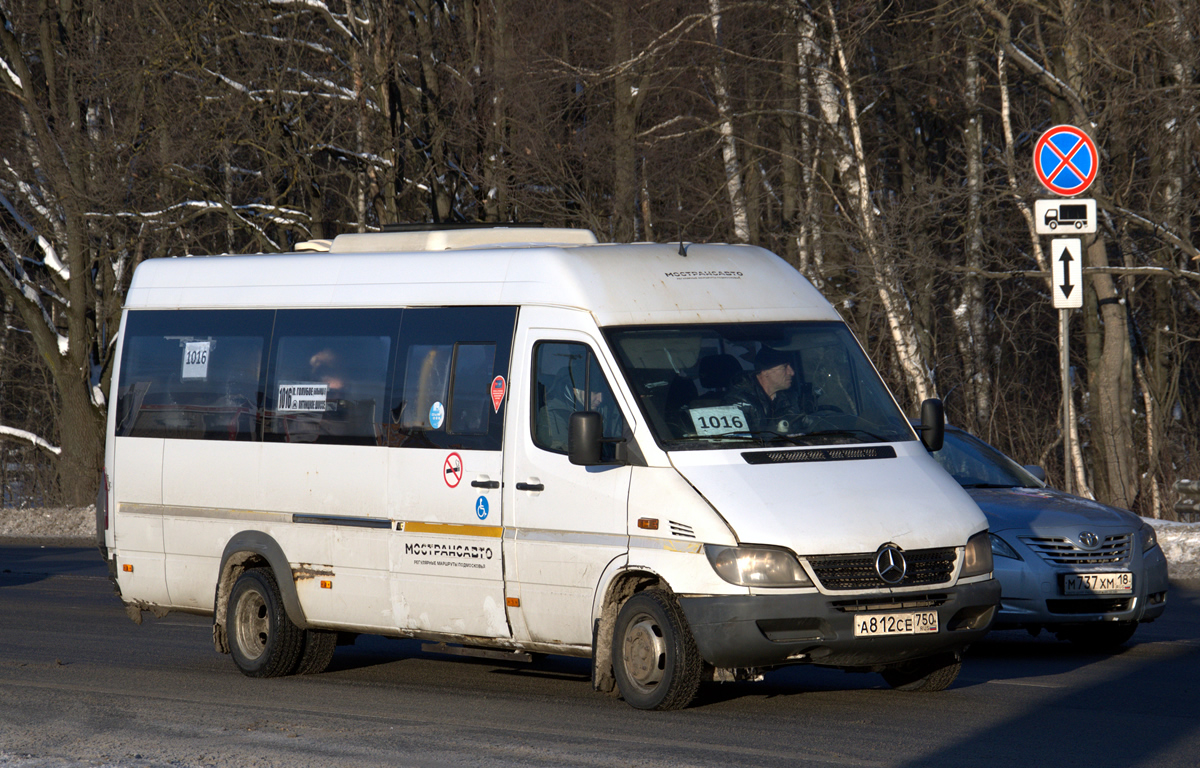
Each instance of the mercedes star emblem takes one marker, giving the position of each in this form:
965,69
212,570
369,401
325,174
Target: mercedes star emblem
890,564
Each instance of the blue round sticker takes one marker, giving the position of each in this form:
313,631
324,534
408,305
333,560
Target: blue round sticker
481,508
436,415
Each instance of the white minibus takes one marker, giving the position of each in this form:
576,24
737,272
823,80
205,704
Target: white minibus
673,459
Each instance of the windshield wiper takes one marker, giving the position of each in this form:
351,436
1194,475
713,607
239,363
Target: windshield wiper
993,485
759,436
843,433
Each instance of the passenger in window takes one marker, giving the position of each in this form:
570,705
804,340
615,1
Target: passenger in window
765,395
326,368
323,412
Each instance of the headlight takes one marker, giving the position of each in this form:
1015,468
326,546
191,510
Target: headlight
1001,548
757,566
1149,537
978,560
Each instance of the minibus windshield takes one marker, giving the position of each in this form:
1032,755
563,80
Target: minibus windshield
722,385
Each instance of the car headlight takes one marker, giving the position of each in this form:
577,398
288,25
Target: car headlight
757,566
1149,537
1001,548
978,560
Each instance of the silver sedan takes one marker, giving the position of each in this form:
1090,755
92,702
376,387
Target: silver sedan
1085,571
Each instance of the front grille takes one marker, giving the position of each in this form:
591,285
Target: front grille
1060,551
847,572
1090,605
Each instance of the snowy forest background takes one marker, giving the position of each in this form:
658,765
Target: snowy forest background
883,148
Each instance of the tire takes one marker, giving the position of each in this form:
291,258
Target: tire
655,660
923,675
262,639
319,645
1106,637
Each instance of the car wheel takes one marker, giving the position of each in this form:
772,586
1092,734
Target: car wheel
1100,637
262,639
319,645
923,675
654,654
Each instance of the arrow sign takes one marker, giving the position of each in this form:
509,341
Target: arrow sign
1067,272
1067,286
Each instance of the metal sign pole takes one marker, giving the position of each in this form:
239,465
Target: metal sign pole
1064,324
1066,162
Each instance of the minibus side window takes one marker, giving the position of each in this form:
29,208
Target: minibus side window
329,375
451,378
568,379
470,396
192,374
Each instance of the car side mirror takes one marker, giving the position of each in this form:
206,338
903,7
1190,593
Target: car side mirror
1036,471
933,424
585,434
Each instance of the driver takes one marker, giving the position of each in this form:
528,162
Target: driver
765,396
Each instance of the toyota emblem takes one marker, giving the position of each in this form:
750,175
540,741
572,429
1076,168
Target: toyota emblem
890,564
1089,540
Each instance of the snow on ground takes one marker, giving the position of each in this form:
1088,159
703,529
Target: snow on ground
51,522
1180,542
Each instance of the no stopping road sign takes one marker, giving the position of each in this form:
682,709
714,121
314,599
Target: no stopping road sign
1065,160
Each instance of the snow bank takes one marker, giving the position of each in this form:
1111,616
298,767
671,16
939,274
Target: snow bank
50,522
1180,543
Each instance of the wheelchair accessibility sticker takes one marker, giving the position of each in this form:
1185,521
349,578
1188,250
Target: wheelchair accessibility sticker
481,508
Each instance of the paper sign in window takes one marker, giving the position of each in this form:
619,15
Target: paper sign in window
718,420
302,398
195,360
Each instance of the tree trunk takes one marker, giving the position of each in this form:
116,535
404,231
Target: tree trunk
918,376
728,140
969,318
624,126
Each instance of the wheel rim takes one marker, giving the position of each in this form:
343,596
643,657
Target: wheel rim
253,624
645,652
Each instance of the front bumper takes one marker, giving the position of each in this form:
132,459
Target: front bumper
773,630
1032,596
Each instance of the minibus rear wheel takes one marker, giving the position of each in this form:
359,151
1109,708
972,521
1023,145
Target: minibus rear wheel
262,639
319,645
654,654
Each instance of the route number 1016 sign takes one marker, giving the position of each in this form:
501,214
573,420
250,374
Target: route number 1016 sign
718,420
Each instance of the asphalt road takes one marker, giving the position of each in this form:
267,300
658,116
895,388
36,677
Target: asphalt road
81,685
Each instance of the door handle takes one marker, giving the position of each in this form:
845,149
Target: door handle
485,483
530,487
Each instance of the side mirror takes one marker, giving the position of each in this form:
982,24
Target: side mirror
1036,471
933,424
585,433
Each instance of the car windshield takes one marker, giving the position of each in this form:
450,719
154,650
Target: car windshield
975,464
728,385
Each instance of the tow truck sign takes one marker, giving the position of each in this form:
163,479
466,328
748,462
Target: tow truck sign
1062,217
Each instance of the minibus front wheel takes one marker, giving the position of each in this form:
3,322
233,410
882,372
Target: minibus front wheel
655,660
262,639
925,675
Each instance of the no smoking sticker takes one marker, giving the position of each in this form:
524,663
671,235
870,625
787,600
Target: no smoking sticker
452,470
